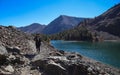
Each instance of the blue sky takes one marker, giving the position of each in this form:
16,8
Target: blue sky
24,12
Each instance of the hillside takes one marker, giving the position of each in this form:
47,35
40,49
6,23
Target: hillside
104,27
33,28
107,22
18,56
11,37
62,23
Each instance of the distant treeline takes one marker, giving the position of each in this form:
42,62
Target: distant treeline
78,33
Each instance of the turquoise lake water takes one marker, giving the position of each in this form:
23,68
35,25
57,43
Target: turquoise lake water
106,52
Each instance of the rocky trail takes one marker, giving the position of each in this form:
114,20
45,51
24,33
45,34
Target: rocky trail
18,56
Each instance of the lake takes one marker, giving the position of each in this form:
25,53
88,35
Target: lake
106,52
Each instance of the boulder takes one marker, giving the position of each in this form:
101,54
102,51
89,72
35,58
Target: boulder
51,62
15,50
31,45
2,72
75,69
11,57
39,63
53,68
55,53
2,49
62,52
73,55
29,72
50,66
89,69
9,68
60,58
14,59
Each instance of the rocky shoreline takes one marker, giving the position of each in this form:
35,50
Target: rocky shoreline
18,56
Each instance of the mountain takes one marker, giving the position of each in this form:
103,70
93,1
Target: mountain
62,23
33,28
111,21
108,22
104,27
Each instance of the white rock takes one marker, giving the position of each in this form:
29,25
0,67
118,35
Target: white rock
98,68
89,69
32,46
63,58
12,57
9,68
3,50
53,63
106,74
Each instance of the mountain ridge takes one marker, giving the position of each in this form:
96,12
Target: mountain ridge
108,22
33,28
62,23
111,21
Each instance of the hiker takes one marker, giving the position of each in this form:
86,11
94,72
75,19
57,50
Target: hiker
37,42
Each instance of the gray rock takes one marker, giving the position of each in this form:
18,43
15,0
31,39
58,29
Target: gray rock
39,63
73,55
90,69
60,58
11,57
50,66
62,52
2,49
15,49
51,62
75,69
3,72
53,68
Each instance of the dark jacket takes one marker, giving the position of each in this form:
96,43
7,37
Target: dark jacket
37,41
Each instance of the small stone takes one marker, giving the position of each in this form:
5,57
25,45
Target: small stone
90,69
12,57
98,68
61,58
106,74
3,49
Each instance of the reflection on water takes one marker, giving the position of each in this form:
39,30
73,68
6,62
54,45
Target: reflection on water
107,52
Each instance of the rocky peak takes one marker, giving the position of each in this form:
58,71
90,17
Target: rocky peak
62,16
69,20
62,23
